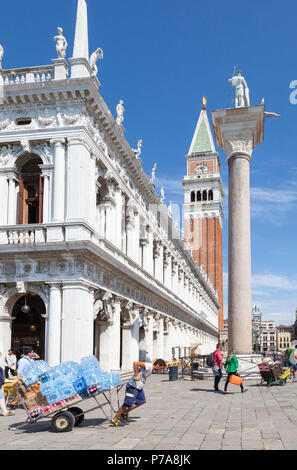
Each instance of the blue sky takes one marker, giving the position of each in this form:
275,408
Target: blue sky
161,57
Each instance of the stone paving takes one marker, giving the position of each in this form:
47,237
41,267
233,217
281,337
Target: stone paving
180,415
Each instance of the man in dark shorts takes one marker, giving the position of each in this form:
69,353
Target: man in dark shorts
134,396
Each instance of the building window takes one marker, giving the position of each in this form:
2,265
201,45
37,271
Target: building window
30,199
193,196
210,195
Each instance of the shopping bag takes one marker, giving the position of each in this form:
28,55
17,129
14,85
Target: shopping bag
236,380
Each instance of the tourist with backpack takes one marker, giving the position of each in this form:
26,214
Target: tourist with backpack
217,367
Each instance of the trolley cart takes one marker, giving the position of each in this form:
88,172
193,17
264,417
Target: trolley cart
66,415
273,374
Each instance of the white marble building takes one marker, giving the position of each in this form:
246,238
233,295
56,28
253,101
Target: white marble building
84,240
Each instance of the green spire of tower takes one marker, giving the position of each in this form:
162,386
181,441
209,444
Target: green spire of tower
202,141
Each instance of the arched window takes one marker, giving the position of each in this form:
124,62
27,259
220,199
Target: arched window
199,196
30,192
204,196
210,195
193,196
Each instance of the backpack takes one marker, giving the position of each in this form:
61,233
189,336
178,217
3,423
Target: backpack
210,359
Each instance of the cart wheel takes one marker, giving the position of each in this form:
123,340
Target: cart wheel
282,382
63,421
77,411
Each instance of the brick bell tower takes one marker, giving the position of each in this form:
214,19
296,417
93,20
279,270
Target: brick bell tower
203,213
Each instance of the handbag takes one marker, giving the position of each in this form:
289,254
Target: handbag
235,379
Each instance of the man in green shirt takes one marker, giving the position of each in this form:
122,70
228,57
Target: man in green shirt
291,355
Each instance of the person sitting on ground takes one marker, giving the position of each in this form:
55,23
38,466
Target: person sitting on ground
231,366
134,395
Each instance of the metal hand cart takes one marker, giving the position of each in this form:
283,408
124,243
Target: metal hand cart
66,416
272,374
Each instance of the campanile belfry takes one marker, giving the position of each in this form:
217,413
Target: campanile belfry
203,211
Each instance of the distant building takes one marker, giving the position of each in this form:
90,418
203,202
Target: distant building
284,336
224,336
264,333
294,328
267,338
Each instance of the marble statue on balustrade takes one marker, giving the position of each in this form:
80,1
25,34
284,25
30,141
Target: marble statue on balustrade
61,45
137,152
97,55
120,113
162,191
153,177
1,55
242,94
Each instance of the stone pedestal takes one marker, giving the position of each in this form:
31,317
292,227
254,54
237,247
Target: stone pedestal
238,131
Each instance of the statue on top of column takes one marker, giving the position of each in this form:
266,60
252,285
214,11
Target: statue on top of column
242,93
61,45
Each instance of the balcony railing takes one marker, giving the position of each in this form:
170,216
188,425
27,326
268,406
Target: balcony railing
28,75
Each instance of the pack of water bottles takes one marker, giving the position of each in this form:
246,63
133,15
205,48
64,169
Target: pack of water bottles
69,379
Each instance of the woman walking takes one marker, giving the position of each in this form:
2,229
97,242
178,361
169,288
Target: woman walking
231,366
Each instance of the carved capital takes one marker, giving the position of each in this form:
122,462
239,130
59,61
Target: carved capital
239,146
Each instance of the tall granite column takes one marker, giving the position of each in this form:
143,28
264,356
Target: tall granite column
238,131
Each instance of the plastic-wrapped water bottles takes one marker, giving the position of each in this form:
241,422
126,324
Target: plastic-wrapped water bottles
116,380
70,378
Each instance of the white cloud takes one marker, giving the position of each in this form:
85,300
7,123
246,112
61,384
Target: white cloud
171,186
273,281
275,196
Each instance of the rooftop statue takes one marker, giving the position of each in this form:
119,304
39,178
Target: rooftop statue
1,56
162,194
153,177
98,54
242,95
61,45
137,151
120,113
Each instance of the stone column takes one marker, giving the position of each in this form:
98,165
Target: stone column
53,331
148,323
58,214
135,334
93,190
159,344
78,181
3,199
167,340
77,335
5,333
46,174
11,201
238,131
118,217
110,337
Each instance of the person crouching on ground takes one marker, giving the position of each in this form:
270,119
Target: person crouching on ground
134,396
231,366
